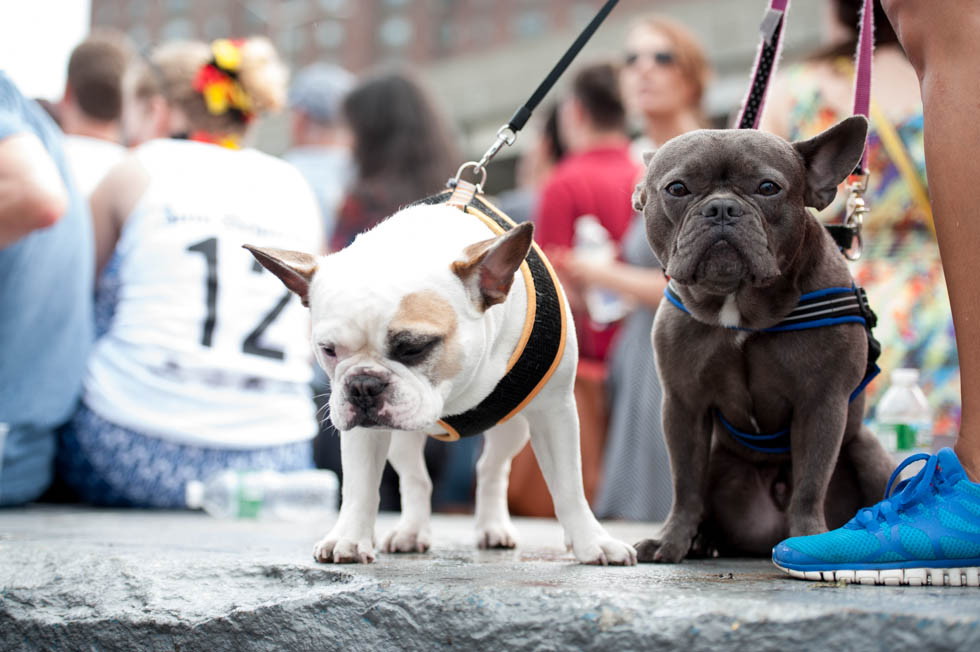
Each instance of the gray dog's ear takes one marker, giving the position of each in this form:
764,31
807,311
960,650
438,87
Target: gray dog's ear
639,197
294,268
830,157
647,157
487,267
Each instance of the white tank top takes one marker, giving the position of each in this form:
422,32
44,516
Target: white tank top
207,347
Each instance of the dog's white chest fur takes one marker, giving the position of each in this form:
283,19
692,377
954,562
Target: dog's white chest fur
729,315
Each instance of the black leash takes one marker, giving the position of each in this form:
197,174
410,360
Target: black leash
507,134
521,115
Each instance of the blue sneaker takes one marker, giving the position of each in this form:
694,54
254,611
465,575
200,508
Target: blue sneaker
928,532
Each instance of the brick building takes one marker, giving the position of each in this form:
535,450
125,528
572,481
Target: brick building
482,58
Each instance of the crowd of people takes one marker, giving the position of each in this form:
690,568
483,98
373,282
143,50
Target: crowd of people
151,350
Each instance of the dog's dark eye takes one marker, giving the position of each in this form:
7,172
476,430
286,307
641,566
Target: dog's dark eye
768,188
677,189
411,351
328,351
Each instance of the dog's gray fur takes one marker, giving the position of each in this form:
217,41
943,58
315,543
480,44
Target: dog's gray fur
748,266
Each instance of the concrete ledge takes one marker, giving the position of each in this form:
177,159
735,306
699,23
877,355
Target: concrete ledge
112,580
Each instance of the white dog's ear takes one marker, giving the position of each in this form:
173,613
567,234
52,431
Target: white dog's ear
487,268
830,157
294,268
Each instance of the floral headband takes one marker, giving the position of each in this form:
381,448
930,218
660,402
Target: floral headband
217,81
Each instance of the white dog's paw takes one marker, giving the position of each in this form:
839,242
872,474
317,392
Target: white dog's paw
602,550
407,539
496,534
333,550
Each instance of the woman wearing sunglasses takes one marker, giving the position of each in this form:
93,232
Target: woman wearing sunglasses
663,78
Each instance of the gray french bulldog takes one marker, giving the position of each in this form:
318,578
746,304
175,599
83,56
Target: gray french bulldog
725,213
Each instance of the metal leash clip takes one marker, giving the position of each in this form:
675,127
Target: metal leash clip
855,208
505,136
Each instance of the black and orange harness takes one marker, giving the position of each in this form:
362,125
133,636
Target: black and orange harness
542,342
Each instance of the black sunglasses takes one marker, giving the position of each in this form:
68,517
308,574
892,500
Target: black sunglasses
663,58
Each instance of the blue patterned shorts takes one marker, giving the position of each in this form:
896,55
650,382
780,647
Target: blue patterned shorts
107,465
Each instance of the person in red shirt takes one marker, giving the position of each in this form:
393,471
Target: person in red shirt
596,178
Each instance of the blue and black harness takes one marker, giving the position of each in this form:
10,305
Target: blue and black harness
827,307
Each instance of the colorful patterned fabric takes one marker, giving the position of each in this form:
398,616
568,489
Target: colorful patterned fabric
900,268
108,465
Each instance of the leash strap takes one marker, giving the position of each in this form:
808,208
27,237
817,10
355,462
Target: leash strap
862,73
507,134
765,63
767,57
848,233
521,116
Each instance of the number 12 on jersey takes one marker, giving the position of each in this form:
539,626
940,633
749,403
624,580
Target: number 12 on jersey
209,249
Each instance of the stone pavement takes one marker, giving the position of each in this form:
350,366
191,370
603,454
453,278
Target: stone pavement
81,579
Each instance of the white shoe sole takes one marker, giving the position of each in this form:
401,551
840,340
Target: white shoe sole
967,576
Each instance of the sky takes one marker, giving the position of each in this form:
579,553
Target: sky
36,38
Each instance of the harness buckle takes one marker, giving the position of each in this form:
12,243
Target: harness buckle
478,169
864,307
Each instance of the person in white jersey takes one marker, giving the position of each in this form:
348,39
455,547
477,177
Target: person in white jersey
91,107
202,363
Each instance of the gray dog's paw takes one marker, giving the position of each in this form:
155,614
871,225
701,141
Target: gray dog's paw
660,551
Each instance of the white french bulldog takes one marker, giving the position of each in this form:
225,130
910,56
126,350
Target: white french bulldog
416,320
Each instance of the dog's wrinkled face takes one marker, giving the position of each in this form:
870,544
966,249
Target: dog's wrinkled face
386,363
397,316
726,208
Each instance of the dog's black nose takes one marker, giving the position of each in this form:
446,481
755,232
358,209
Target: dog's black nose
722,211
363,390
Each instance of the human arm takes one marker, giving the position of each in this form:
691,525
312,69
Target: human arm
32,193
644,285
112,201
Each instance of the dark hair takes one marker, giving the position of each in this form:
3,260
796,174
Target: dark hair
848,14
402,145
596,87
95,72
552,134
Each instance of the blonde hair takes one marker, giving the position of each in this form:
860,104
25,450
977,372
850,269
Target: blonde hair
690,56
172,68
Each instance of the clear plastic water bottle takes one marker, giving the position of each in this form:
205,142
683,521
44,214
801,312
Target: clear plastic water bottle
593,243
296,496
903,416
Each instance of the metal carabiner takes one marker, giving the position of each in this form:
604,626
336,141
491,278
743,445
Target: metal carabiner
477,170
505,136
855,208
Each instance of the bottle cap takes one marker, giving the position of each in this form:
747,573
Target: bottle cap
905,376
194,494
